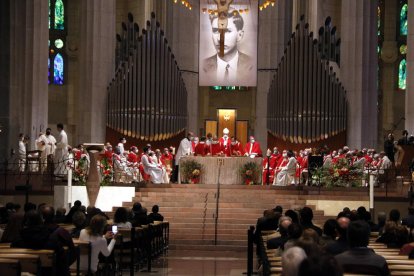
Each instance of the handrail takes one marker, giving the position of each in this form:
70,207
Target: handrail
217,203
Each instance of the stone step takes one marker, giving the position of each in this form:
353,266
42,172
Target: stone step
207,242
210,247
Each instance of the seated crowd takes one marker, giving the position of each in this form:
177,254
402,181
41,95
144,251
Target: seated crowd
340,246
40,227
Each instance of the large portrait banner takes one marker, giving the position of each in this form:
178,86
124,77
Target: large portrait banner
234,62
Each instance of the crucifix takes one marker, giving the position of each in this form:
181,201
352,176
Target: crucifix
222,10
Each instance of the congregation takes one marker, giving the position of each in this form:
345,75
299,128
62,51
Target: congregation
41,227
339,246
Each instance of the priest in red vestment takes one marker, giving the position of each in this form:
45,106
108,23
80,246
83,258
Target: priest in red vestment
252,148
201,149
215,148
234,148
167,161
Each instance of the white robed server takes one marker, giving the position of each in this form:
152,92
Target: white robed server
152,168
61,152
46,143
287,175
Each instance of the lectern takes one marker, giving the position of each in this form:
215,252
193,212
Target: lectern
92,184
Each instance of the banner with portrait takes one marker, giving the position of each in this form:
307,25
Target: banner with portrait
238,65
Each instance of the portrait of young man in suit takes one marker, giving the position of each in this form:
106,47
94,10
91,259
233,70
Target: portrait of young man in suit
235,66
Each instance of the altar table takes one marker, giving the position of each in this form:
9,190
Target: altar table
229,168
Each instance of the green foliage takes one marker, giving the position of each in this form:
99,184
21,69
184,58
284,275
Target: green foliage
250,172
340,174
191,171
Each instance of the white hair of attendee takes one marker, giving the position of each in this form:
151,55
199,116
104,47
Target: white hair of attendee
291,260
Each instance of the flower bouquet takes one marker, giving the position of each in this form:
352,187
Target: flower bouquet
191,171
106,170
250,172
341,174
80,171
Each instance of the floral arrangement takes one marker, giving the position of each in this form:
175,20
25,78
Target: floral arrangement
81,166
340,174
250,172
106,170
191,171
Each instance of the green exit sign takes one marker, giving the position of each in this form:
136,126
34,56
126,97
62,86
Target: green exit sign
229,88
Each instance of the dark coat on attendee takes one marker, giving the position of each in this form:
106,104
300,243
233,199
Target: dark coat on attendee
337,247
389,149
278,242
34,237
155,217
312,226
408,221
72,211
265,224
140,218
363,260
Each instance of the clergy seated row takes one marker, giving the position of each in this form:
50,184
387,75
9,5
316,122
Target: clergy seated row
290,167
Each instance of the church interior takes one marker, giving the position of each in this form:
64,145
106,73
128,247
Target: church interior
206,137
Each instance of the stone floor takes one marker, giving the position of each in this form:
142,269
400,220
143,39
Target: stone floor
199,263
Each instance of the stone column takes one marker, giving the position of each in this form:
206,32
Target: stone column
96,68
4,76
359,63
274,33
182,34
409,93
26,93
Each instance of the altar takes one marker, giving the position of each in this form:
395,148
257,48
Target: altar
228,167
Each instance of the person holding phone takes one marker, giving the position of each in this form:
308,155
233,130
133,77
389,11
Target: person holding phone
94,234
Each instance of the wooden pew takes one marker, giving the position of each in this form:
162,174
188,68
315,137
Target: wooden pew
126,243
83,249
10,267
29,263
47,257
5,245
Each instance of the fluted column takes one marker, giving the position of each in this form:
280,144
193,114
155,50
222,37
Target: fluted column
409,94
182,32
274,33
359,63
4,76
24,106
96,67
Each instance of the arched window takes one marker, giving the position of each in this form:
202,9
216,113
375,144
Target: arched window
402,74
402,44
403,18
57,42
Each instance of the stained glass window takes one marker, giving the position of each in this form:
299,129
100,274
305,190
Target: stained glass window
402,74
57,42
48,72
403,49
59,15
58,69
379,20
401,66
403,20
